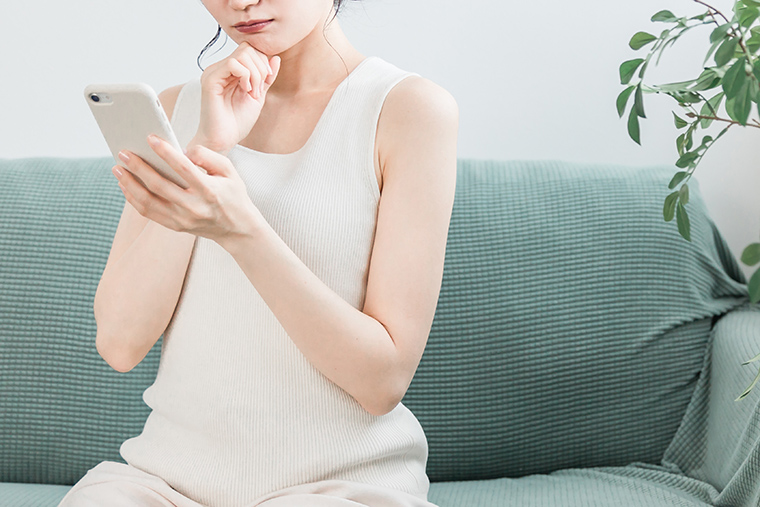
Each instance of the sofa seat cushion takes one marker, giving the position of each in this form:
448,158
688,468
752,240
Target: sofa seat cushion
630,486
20,494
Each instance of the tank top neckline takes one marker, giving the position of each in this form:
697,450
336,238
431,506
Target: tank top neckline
316,128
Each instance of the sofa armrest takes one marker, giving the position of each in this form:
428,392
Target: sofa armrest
733,427
719,439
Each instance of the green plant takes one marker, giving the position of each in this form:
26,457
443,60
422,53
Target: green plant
734,46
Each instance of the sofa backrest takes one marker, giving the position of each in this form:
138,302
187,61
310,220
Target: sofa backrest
572,320
63,409
569,332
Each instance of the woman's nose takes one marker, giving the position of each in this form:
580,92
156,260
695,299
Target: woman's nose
243,4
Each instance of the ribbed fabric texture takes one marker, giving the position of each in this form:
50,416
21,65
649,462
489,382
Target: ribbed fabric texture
237,410
571,334
63,409
573,321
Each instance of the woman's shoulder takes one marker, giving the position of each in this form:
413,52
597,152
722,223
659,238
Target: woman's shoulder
169,97
416,102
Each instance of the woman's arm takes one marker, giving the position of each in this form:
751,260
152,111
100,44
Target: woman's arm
373,354
141,282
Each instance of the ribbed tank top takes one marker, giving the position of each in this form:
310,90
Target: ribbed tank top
237,410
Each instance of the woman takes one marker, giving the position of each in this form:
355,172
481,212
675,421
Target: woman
294,281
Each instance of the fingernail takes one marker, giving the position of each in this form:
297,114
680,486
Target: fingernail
270,68
124,156
153,140
116,171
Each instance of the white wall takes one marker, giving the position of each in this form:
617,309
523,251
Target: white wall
534,80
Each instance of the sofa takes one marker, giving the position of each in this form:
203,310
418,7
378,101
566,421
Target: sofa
582,352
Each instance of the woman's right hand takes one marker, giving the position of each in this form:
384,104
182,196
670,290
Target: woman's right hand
233,91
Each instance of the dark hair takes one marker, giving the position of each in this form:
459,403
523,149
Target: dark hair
336,6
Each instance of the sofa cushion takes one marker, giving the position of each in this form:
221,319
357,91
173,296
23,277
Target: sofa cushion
572,320
31,495
636,485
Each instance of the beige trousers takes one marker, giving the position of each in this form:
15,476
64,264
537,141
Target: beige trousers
116,484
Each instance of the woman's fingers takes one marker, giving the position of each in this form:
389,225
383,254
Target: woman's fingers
232,71
179,162
274,64
140,173
259,71
213,162
143,200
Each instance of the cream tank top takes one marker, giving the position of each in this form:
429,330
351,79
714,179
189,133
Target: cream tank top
238,411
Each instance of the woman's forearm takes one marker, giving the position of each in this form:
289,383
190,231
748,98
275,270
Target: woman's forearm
138,293
349,347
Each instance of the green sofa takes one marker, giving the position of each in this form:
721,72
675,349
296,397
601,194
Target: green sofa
582,353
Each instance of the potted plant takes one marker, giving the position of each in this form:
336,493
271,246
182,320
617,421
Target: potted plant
733,82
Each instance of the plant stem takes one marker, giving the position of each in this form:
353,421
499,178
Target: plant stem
711,14
733,30
699,117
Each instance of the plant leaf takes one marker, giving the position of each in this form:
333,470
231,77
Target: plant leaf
689,140
677,178
756,68
753,43
638,102
734,79
754,287
720,32
756,358
672,87
748,16
628,68
680,122
633,126
669,209
641,39
713,47
680,143
683,194
622,100
751,254
725,52
710,108
747,391
706,80
664,16
686,159
743,103
682,218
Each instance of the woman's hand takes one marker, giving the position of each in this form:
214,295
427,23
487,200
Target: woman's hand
215,205
233,93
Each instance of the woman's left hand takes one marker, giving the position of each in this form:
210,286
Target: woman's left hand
215,205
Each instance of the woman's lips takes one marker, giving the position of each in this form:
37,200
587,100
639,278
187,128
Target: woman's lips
254,27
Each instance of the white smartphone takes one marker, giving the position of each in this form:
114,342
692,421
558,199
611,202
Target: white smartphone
127,114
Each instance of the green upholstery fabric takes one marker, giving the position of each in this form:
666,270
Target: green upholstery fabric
14,494
572,321
577,336
719,439
621,487
62,408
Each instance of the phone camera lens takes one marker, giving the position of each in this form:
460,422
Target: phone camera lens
95,98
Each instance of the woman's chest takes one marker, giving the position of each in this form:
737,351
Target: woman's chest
286,128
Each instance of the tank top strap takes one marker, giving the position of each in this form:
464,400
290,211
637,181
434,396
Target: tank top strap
186,116
354,116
